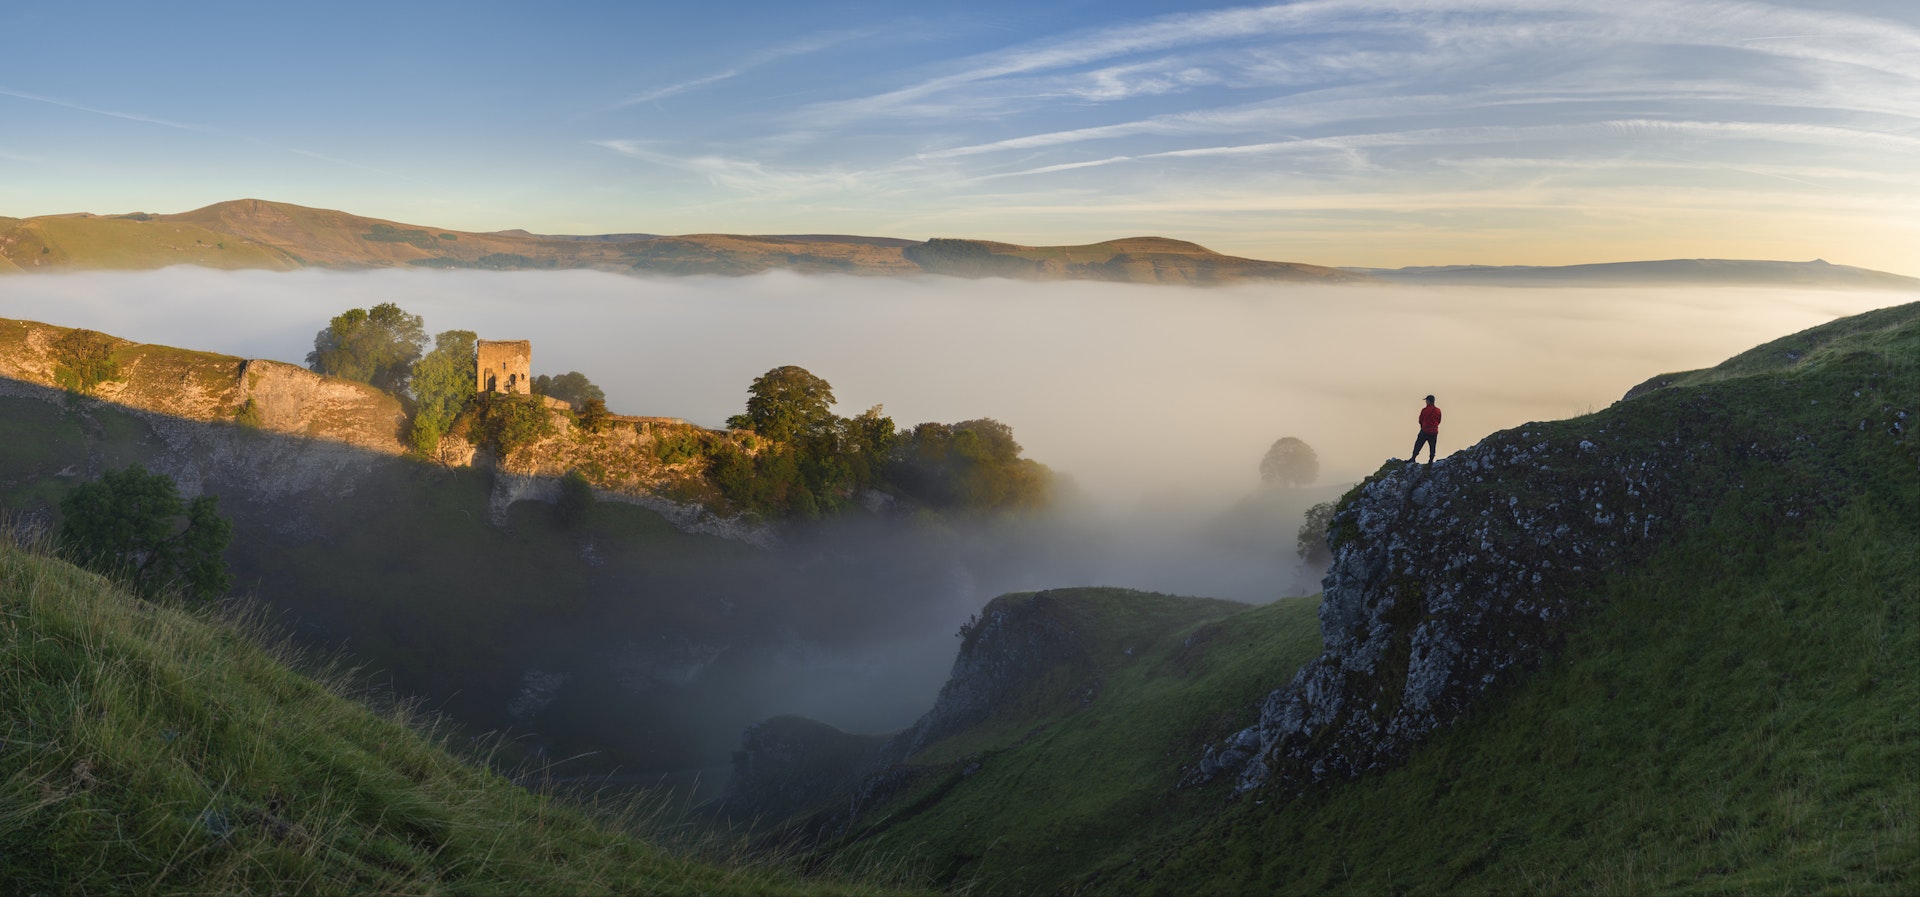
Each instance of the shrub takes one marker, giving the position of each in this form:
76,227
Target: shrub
133,523
84,359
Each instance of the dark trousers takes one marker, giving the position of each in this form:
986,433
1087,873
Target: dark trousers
1428,440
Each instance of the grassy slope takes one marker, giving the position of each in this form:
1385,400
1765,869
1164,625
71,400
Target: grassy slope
148,749
1061,787
1738,715
406,569
94,242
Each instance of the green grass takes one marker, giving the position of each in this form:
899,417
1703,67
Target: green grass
1743,720
1033,799
149,749
122,244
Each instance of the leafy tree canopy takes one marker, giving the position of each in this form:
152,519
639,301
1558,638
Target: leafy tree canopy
1289,462
571,387
787,403
133,523
377,346
85,359
443,384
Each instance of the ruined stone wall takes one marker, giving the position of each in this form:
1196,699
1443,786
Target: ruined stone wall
504,366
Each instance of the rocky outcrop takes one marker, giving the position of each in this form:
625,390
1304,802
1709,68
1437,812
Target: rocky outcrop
1004,652
1449,579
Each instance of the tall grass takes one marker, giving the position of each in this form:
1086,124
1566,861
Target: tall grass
154,748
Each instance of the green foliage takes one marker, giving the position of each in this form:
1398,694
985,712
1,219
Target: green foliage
377,346
972,465
450,237
133,523
1289,462
571,387
1311,541
387,233
786,403
593,415
248,414
84,360
507,423
442,387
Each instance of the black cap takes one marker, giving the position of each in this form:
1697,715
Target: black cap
1429,398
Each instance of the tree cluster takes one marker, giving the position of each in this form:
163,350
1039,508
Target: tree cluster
810,461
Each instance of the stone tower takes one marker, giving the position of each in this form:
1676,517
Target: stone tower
504,366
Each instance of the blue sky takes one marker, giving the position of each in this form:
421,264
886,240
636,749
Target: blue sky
1327,131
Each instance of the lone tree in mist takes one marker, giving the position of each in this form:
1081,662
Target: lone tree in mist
133,523
786,403
1290,462
377,346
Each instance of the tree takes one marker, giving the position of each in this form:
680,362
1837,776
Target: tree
443,384
593,415
786,403
85,360
377,346
571,387
575,501
1289,462
1311,542
133,523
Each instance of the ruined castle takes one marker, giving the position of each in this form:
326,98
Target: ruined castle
504,366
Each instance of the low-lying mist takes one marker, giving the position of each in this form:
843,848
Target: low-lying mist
1135,391
1157,402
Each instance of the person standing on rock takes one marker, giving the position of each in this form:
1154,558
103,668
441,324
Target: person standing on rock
1429,432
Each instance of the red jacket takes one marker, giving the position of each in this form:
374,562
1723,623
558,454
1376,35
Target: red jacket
1430,419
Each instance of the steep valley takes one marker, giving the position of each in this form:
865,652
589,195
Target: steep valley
1670,646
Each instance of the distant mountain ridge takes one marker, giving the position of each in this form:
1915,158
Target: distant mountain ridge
254,233
1818,272
259,234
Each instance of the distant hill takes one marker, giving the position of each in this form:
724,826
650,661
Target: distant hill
1677,272
254,233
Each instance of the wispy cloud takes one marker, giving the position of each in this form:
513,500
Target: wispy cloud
204,129
804,46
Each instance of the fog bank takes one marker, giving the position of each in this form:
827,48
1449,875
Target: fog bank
1135,391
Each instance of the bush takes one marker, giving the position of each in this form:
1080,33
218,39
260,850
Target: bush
132,523
507,423
84,359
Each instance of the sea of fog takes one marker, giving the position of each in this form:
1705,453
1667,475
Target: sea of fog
1158,402
1135,391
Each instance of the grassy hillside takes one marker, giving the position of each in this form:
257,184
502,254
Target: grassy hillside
253,233
1737,712
1740,717
125,243
1078,771
153,750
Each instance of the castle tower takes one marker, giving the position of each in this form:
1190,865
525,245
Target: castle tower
504,366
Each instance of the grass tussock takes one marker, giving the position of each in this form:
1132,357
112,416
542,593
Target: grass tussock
151,748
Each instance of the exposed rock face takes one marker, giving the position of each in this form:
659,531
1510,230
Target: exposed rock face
1016,639
1447,580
